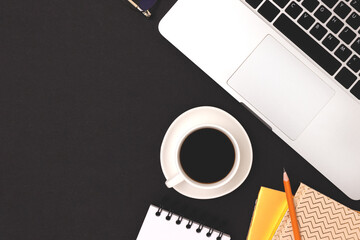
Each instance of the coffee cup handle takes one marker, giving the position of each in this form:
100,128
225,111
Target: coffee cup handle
172,182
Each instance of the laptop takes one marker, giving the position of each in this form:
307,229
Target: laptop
293,63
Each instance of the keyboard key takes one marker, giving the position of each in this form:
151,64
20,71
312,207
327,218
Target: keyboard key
354,63
335,24
330,42
347,35
293,9
306,20
281,3
254,3
307,44
355,4
322,14
342,10
330,3
354,20
310,4
356,46
356,90
345,77
318,31
343,52
269,11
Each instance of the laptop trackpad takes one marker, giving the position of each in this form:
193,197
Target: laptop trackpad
281,87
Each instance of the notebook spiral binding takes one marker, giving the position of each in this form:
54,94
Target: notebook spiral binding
189,224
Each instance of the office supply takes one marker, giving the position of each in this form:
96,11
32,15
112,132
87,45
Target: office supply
269,210
161,224
294,64
291,207
142,6
320,217
193,118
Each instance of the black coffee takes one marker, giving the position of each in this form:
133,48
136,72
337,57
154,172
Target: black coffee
207,155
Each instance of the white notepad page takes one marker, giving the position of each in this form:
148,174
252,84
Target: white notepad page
159,228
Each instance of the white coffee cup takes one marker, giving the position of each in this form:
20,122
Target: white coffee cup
181,176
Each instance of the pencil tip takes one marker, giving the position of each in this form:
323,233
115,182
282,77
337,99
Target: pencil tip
284,170
285,176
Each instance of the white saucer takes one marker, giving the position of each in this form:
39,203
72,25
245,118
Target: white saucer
187,121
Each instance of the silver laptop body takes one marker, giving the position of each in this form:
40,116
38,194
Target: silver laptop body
254,52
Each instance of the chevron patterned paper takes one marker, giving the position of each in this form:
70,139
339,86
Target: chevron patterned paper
320,217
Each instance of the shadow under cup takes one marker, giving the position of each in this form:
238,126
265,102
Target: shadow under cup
207,155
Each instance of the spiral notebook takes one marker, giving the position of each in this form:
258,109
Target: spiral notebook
161,224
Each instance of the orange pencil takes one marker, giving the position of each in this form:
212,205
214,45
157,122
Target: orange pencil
290,201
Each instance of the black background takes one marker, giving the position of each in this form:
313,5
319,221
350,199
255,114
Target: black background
87,92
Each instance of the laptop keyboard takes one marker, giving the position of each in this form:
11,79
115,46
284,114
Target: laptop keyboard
327,31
